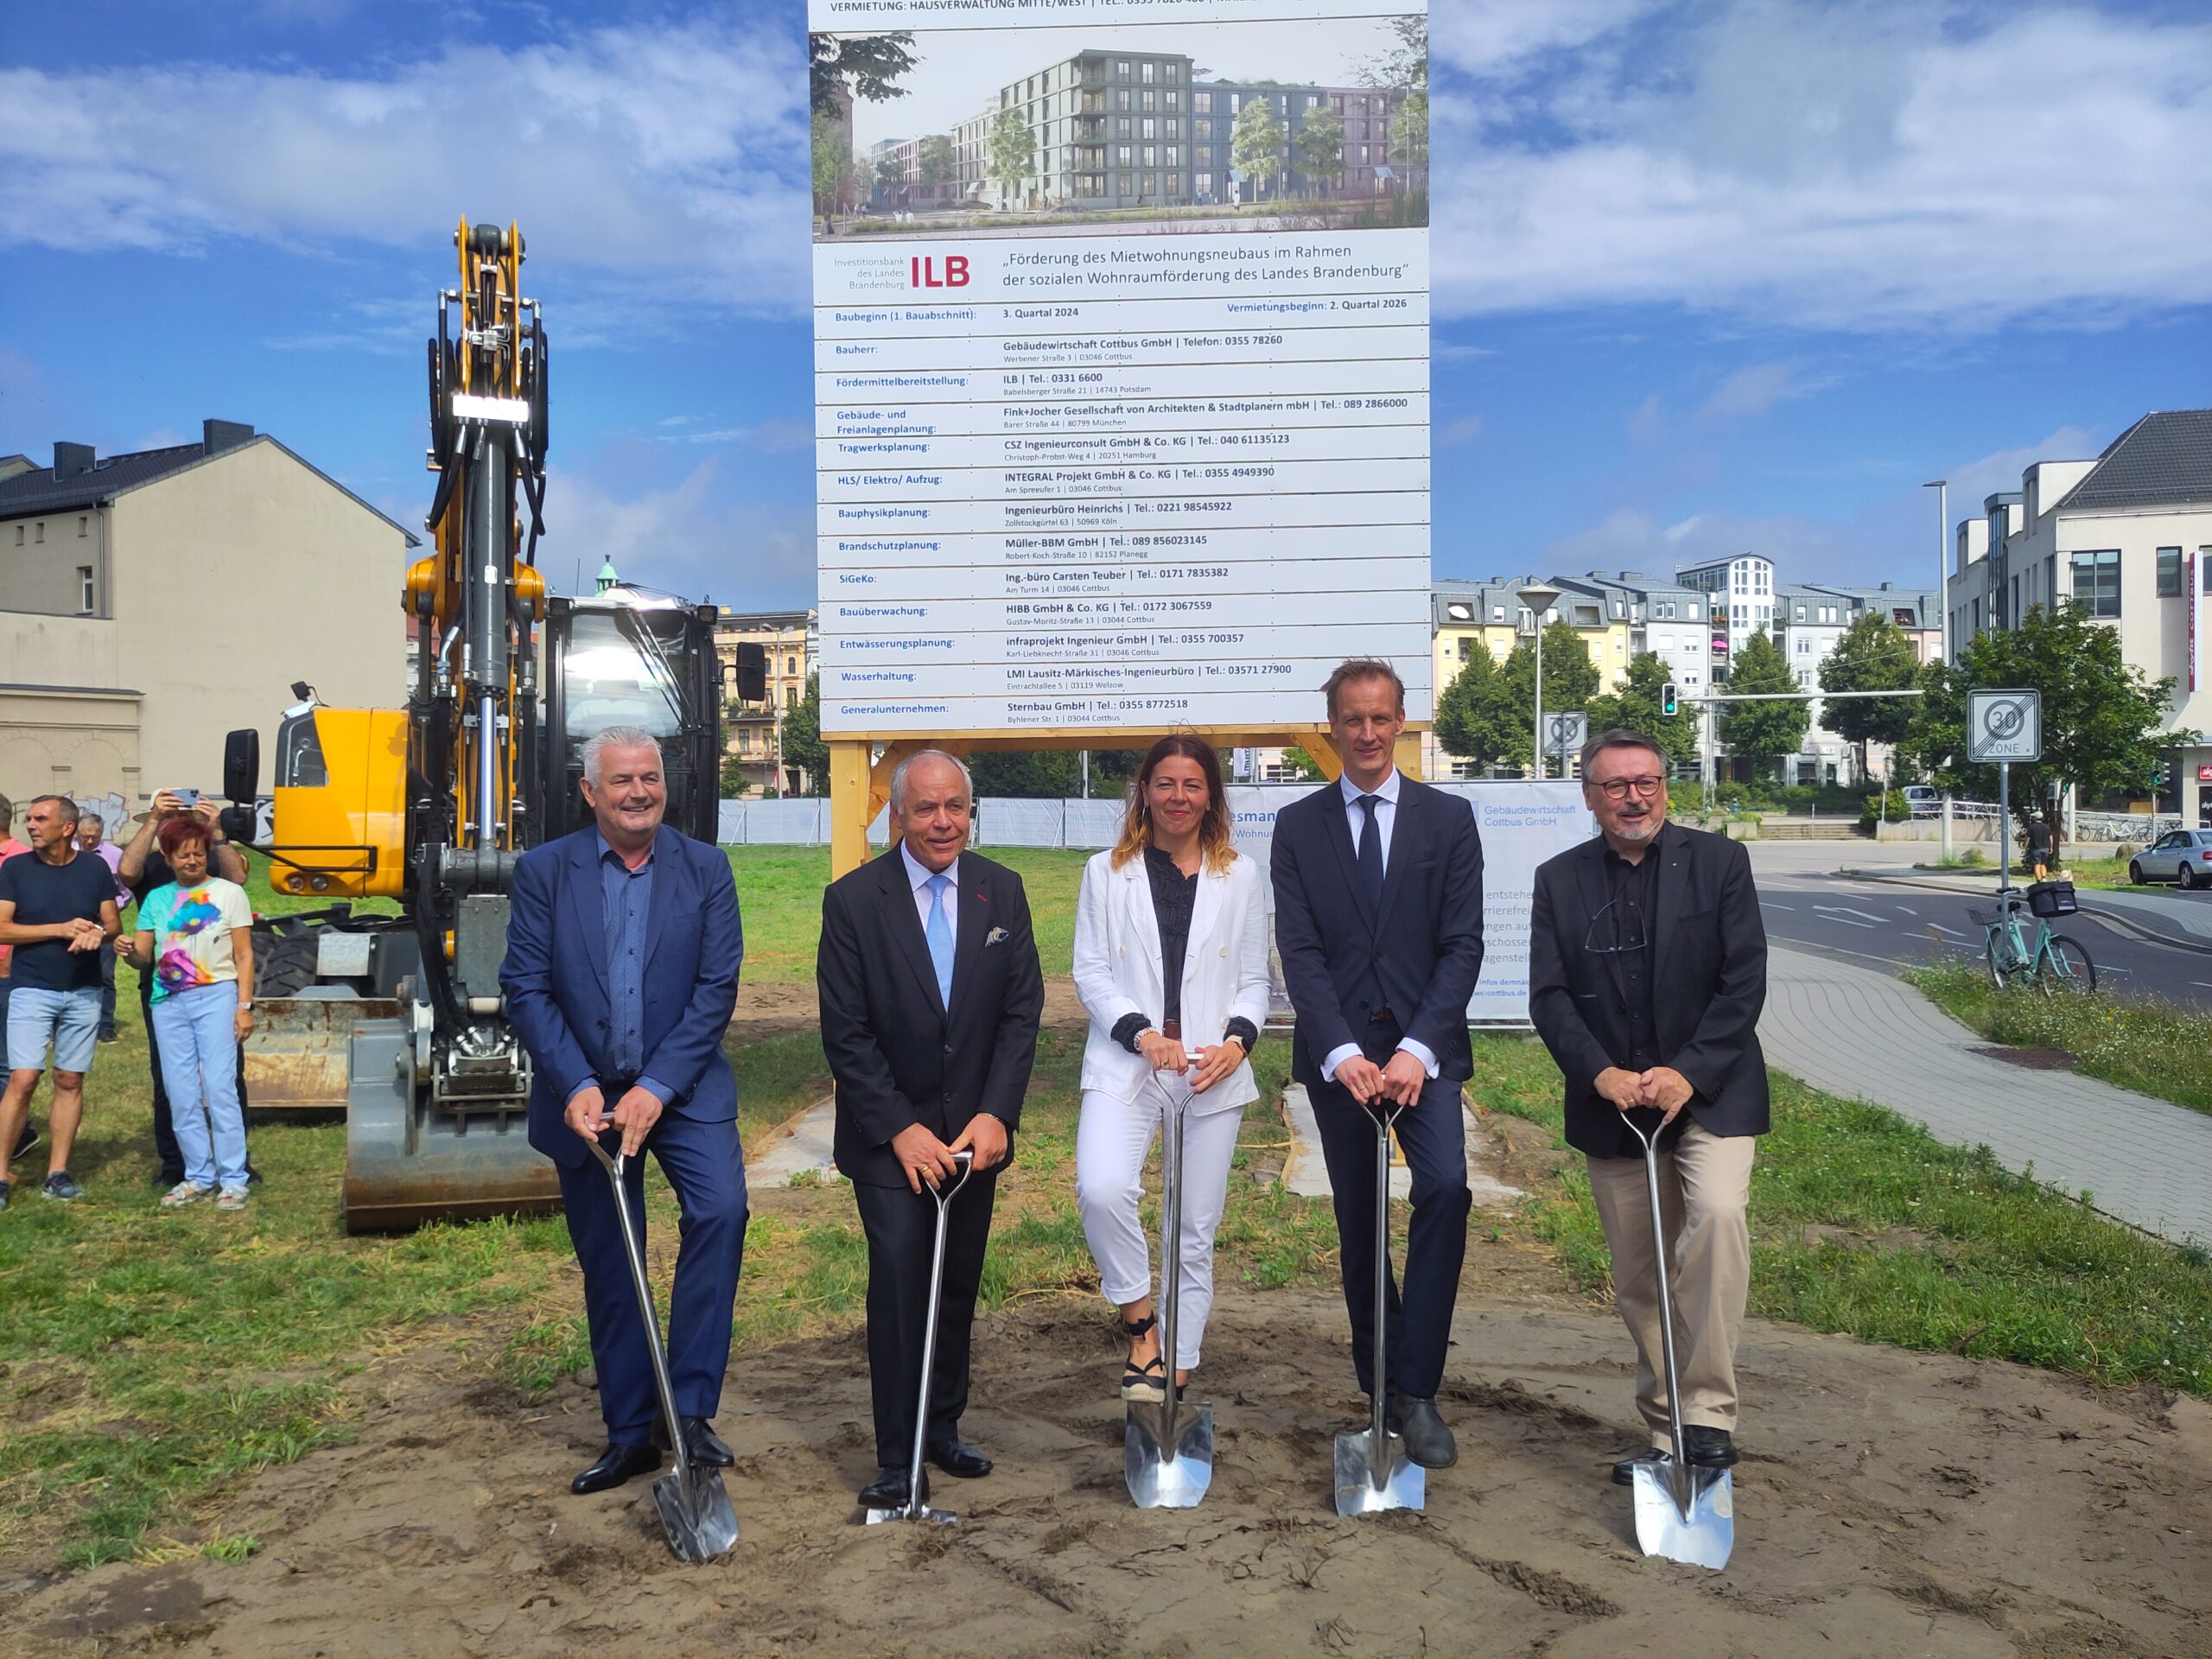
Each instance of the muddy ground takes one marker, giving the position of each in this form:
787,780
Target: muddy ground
1889,1505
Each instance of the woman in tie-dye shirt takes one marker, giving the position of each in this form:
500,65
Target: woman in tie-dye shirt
195,938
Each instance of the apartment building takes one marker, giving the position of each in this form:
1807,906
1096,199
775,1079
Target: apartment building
1366,112
753,731
2125,536
105,688
1739,602
1106,129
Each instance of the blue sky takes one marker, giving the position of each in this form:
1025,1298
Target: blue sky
1709,277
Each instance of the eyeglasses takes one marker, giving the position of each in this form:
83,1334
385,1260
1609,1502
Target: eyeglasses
1619,947
1617,789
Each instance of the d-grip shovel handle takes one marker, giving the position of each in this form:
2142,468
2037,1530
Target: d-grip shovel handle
966,1159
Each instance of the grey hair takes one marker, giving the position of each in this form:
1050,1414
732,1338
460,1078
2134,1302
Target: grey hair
84,817
616,737
898,776
1622,737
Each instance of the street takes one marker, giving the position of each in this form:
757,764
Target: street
1806,904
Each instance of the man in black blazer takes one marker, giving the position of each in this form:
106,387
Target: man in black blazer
1647,970
931,998
1378,885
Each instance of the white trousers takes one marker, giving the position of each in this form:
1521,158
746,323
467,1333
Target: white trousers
1111,1142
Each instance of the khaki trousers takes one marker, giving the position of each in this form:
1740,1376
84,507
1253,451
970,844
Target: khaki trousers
1703,1186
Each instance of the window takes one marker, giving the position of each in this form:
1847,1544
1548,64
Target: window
1202,102
790,696
1121,68
81,521
1121,98
1690,610
1150,70
2169,569
1173,156
1497,613
790,664
1202,156
2096,584
1804,645
38,530
1149,128
85,605
1801,614
1145,100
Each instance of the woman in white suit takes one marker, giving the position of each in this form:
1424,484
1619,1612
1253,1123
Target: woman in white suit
1171,962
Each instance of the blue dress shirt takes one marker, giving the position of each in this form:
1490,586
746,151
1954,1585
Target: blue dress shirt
626,898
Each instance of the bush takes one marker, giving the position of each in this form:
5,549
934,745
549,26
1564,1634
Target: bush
1891,808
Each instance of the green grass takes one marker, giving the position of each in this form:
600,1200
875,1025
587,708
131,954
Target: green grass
2143,1043
1865,1225
779,895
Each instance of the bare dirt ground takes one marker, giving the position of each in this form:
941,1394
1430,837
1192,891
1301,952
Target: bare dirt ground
1889,1505
770,1010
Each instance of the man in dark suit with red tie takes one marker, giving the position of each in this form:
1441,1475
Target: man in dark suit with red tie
1378,886
930,996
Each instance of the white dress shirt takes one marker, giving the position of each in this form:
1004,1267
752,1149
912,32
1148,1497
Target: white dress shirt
1386,821
919,875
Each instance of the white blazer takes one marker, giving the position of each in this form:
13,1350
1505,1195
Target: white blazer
1118,972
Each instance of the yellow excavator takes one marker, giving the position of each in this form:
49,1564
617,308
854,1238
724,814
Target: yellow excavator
399,1018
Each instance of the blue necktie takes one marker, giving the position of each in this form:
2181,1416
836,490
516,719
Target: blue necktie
939,933
1370,851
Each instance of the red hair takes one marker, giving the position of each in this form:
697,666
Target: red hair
180,831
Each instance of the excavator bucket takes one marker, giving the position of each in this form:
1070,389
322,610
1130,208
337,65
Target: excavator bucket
409,1162
296,1058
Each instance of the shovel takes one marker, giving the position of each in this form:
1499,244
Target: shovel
1167,1455
1373,1472
695,1508
916,1508
1682,1513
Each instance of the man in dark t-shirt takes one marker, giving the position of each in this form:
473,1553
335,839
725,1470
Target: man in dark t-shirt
141,869
57,913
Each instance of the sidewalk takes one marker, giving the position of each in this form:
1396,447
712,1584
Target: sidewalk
1862,1034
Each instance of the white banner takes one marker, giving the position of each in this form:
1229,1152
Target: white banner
1122,359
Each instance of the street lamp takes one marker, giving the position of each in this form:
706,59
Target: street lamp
1539,597
1943,488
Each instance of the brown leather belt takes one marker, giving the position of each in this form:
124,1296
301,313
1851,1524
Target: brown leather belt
1382,1017
1172,1030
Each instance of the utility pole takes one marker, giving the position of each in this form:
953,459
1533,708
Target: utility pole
1943,488
1539,597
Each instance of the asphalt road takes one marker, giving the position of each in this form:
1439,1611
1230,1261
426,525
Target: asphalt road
1890,921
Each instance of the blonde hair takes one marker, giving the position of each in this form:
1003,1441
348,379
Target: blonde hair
1216,850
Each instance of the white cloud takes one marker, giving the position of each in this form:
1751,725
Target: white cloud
689,538
667,158
1466,429
1860,167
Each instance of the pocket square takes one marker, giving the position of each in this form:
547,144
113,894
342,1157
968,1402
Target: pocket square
996,936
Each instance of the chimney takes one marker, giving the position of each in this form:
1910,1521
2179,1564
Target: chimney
1887,586
71,461
215,436
1631,575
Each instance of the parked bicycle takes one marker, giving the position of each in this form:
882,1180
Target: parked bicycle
2017,954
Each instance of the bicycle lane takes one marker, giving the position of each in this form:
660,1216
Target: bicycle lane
1866,1035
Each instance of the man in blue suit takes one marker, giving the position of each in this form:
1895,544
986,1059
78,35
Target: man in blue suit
1378,886
621,974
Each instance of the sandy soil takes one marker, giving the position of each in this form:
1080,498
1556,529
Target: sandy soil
769,1010
1889,1505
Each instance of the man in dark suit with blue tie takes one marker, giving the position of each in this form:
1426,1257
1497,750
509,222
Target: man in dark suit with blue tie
623,947
930,996
1378,884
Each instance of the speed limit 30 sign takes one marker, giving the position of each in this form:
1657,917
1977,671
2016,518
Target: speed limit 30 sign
2004,725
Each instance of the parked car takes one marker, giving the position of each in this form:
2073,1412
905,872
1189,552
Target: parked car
2182,855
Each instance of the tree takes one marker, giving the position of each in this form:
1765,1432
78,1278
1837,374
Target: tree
1012,150
937,161
846,66
1318,149
803,744
1028,774
1874,655
1256,147
1571,679
890,178
1483,716
1639,703
833,165
1302,762
734,782
2103,720
1406,64
1409,136
1763,731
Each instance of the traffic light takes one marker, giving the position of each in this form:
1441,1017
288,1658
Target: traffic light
1667,700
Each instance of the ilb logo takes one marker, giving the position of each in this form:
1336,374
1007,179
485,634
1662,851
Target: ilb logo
925,273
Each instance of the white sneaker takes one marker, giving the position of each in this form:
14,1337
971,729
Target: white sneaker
232,1197
183,1192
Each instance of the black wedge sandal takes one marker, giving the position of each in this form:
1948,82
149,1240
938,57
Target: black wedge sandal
1146,1382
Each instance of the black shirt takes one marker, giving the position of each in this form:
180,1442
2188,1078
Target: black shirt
44,893
1174,897
1624,934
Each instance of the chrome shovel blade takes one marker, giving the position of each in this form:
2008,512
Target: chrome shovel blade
696,1513
935,1517
1162,1476
1702,1534
1364,1489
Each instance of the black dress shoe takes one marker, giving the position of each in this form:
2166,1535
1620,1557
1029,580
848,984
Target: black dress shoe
1428,1442
1625,1470
28,1139
959,1459
1709,1448
616,1464
888,1490
700,1439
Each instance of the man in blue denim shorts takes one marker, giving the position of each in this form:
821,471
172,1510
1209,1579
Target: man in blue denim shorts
57,912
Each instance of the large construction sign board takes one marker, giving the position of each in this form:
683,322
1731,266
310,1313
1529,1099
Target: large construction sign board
1121,361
